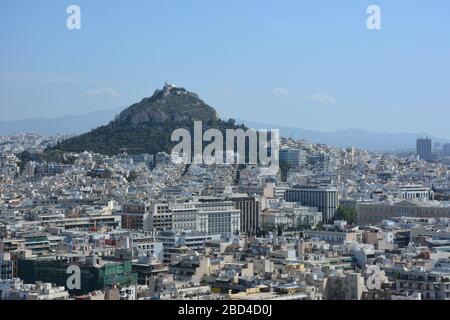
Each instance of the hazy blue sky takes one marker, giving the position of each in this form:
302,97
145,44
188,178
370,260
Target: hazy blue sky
310,64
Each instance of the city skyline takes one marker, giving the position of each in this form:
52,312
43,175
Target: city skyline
359,138
224,158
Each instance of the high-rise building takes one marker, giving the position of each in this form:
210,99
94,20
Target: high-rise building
6,266
446,149
326,199
424,149
161,218
250,213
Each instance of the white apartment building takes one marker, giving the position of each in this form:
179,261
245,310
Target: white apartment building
15,289
415,191
217,217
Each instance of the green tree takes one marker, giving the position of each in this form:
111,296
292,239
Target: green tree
347,214
132,177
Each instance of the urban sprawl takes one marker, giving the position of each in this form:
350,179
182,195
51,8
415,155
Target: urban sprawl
333,224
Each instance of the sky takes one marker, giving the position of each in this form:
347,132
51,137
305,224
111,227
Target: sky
308,64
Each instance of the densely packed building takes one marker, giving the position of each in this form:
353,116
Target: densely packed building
335,224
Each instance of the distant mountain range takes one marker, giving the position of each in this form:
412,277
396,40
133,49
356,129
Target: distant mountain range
79,124
350,137
70,124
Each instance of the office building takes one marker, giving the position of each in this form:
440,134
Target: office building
446,149
135,216
415,192
375,213
95,273
326,199
424,149
219,218
250,213
292,157
212,217
6,266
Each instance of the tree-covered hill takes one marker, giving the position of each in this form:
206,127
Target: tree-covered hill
146,127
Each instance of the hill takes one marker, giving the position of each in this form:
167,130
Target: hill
146,126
